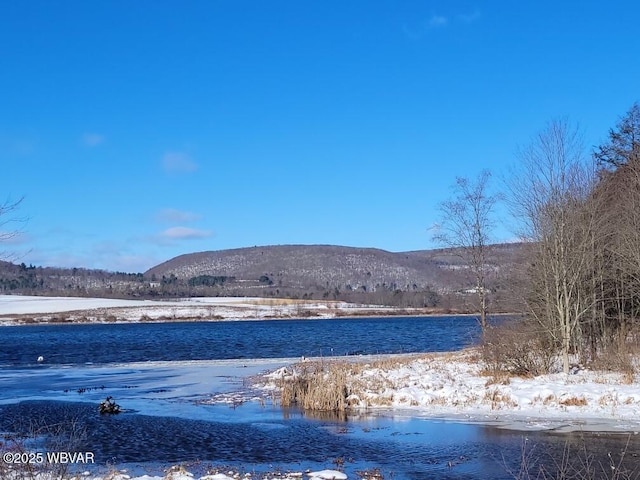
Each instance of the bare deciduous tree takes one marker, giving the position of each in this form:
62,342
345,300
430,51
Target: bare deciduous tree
466,225
548,194
9,223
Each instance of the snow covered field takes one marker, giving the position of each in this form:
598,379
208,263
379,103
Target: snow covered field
20,309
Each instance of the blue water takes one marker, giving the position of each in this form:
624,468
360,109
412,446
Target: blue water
165,424
124,343
288,440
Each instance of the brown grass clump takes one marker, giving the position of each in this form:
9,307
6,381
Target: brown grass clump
317,386
573,402
548,400
327,385
608,400
498,399
496,378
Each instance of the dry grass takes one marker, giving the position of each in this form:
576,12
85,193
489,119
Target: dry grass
498,400
337,385
316,386
546,400
574,401
618,361
496,378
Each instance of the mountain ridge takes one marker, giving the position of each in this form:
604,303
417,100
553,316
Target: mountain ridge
419,278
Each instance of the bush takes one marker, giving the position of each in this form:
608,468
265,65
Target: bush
517,348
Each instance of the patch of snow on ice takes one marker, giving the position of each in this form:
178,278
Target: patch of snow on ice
327,475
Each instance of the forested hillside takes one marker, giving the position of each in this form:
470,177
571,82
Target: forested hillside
409,279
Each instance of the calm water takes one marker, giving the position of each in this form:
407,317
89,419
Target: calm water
164,423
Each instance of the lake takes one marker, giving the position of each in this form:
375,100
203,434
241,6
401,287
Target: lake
160,373
140,342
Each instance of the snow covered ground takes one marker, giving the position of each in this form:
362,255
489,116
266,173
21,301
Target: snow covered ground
453,386
179,473
21,309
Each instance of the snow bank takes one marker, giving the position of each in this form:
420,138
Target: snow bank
453,386
179,473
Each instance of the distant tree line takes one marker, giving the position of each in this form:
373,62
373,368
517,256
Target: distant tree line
209,280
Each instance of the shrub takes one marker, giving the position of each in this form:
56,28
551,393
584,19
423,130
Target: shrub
517,348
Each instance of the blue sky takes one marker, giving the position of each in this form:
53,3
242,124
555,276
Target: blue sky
141,130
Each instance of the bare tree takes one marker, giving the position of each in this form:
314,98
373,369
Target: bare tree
466,225
548,194
9,223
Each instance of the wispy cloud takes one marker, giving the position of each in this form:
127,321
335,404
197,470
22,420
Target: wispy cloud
470,17
173,215
437,21
184,233
20,147
93,139
118,256
178,162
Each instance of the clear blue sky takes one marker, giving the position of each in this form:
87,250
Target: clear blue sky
140,130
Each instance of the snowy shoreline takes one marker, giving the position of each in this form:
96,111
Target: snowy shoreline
453,386
34,310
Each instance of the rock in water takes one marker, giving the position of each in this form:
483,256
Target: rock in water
108,405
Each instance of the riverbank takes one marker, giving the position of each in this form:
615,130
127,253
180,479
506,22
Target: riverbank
30,310
455,386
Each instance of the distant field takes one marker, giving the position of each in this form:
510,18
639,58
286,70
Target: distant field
17,309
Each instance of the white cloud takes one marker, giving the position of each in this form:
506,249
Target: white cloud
469,17
92,139
178,162
179,233
173,215
437,21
